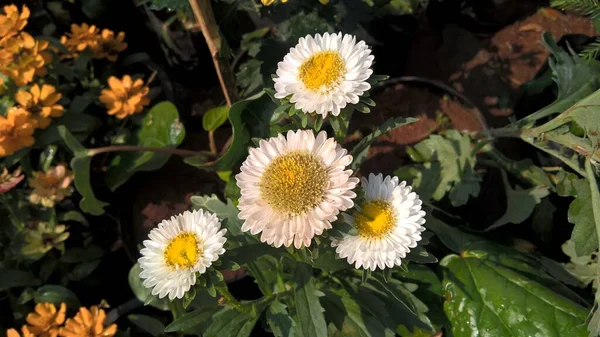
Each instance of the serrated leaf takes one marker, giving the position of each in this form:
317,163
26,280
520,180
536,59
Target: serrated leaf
249,75
360,151
142,293
581,214
311,321
56,295
148,324
161,127
224,211
485,298
214,118
80,164
279,320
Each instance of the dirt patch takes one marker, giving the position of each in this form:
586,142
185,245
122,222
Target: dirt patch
433,111
518,48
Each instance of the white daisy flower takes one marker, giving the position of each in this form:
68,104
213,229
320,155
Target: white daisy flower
389,224
293,187
325,73
178,249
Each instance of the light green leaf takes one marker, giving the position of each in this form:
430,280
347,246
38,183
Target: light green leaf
456,166
487,298
279,320
214,118
360,151
160,128
56,295
148,324
581,214
311,321
80,164
142,293
249,118
73,216
13,278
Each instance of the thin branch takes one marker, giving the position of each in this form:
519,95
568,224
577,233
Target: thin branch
130,148
206,20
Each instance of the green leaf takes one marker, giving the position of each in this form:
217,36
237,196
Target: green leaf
73,216
455,173
247,253
231,322
160,128
80,164
83,270
360,151
56,294
486,298
249,75
13,278
279,320
214,118
148,324
349,319
79,125
311,321
191,320
581,214
249,118
520,203
142,293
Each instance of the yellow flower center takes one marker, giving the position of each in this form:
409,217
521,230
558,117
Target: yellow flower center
183,251
324,69
294,182
375,219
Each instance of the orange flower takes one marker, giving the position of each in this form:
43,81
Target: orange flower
14,333
23,57
9,180
108,46
88,323
46,320
80,37
16,131
51,186
125,97
41,103
12,21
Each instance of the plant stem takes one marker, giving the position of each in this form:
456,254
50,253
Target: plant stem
206,20
229,297
127,148
16,219
211,142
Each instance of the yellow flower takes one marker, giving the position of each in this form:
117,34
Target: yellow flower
51,186
81,37
125,97
40,103
14,333
16,131
46,320
268,2
22,57
9,180
88,323
12,21
42,239
108,46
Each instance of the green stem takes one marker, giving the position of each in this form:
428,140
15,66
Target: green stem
595,194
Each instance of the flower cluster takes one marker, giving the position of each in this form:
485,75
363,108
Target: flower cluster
48,321
103,44
51,186
297,186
